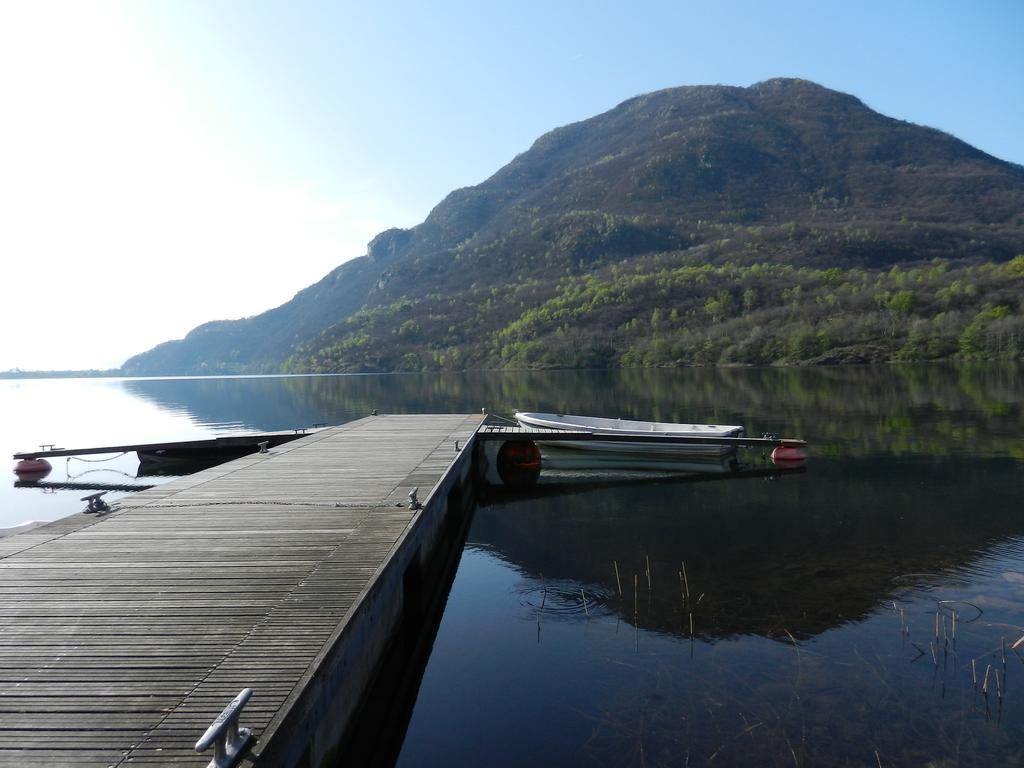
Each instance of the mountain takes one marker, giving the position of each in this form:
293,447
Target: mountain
695,224
259,344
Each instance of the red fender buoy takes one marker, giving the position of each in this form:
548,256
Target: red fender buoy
37,467
32,465
789,455
518,463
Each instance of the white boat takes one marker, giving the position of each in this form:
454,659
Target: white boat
653,449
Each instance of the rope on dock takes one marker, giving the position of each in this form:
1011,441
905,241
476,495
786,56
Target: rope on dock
97,461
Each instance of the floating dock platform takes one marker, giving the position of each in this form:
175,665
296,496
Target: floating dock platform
123,635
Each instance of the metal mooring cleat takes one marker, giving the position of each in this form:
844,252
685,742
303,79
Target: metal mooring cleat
228,740
96,502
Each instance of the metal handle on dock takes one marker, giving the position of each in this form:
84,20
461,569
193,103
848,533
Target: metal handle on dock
228,740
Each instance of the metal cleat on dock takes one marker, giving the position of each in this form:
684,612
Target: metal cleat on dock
227,739
96,502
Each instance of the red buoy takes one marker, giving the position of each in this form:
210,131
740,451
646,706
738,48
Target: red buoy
789,454
37,467
519,462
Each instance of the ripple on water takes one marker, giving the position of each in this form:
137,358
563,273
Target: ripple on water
563,598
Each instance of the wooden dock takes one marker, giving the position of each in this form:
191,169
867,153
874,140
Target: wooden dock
123,635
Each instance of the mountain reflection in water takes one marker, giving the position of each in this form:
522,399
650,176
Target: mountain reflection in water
782,553
854,614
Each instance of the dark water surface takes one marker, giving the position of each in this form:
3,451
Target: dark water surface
822,603
814,597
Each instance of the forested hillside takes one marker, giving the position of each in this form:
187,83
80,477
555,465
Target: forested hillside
663,311
778,223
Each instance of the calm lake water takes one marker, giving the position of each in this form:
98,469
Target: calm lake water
823,603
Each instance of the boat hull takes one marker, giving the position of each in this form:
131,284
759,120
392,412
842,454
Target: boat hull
648,452
651,450
555,456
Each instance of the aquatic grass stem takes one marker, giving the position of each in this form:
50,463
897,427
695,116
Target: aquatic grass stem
636,597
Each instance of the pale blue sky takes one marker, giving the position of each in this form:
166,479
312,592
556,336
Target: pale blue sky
424,97
200,160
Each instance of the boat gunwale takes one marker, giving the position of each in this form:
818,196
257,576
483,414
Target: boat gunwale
606,426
